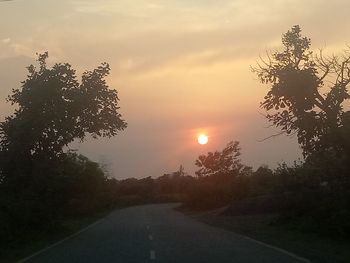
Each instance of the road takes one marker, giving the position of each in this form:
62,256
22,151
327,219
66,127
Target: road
158,233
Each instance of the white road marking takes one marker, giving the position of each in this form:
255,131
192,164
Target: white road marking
147,227
150,237
152,255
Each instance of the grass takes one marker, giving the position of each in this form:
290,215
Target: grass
308,245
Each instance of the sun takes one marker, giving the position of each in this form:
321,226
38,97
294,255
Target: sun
202,139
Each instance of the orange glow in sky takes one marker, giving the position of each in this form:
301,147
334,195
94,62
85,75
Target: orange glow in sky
181,68
202,139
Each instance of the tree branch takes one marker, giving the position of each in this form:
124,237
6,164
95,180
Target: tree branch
271,136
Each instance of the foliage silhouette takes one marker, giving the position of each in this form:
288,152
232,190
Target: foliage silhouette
217,174
307,94
54,109
224,163
41,183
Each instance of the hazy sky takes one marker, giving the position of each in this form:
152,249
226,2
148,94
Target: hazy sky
180,67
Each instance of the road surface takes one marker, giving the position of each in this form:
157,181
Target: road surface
158,233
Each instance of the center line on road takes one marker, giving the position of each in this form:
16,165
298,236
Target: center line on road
150,237
152,255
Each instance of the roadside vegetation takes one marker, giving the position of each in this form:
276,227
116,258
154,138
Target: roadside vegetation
44,185
307,98
304,207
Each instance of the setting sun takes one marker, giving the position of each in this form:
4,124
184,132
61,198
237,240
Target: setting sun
202,139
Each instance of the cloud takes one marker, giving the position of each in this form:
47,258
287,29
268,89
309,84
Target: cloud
143,35
178,65
6,40
138,8
149,51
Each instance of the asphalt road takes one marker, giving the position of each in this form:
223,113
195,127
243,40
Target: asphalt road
157,233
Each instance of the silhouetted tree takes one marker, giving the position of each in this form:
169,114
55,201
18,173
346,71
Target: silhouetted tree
307,94
226,162
39,180
180,172
53,109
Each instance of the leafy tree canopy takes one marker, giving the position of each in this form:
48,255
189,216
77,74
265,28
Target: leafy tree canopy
54,108
226,162
307,93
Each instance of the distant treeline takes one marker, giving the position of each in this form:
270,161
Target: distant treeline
304,196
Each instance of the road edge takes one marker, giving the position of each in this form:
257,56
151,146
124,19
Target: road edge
281,250
60,241
291,254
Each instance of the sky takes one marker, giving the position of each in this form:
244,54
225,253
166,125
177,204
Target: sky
180,67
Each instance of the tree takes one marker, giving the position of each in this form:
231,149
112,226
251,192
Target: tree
223,163
180,172
39,179
54,109
307,94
